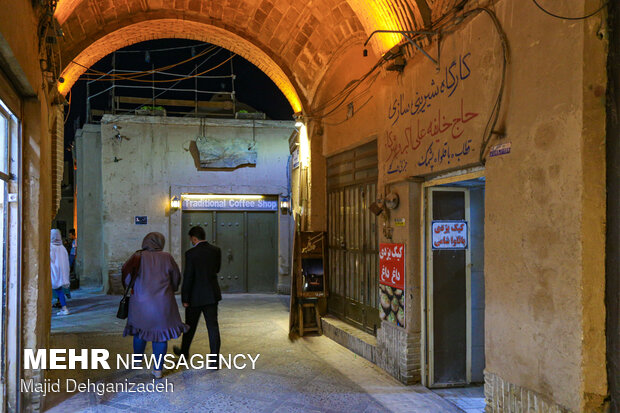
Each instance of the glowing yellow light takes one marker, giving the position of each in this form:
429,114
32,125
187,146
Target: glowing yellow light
304,146
64,8
378,15
211,196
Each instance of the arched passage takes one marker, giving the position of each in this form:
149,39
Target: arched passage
301,37
172,28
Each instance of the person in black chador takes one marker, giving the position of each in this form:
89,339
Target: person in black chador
200,292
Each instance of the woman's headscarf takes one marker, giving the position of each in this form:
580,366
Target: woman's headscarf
59,261
55,237
154,241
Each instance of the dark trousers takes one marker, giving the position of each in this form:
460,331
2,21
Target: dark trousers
192,315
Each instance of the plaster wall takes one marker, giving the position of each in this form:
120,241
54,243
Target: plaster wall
153,162
89,259
545,200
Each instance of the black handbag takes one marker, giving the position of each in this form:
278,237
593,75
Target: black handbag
123,306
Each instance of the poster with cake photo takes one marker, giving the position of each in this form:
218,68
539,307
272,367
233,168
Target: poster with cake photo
392,283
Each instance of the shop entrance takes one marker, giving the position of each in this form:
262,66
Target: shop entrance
249,244
353,237
454,283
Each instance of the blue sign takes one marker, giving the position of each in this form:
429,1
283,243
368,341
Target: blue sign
229,203
501,149
141,220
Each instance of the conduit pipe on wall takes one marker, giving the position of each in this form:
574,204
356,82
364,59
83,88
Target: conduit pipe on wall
405,34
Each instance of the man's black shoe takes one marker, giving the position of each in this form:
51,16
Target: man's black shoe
177,351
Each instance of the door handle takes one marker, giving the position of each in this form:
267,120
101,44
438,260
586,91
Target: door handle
230,255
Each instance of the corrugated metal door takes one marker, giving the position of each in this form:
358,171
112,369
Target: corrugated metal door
352,235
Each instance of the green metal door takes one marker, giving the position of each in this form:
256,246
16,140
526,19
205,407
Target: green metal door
229,236
262,252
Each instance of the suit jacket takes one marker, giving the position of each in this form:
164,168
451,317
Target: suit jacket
200,286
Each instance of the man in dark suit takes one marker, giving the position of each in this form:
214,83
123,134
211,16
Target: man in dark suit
200,292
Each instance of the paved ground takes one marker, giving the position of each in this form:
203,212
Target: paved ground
310,374
469,399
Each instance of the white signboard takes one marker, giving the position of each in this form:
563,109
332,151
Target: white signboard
450,235
295,158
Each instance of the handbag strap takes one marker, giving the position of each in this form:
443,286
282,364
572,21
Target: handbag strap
133,278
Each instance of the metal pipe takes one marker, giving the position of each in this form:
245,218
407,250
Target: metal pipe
414,32
176,90
420,49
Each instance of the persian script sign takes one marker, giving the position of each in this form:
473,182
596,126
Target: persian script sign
449,235
392,283
435,120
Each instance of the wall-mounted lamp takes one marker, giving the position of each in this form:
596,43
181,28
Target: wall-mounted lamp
285,205
175,203
376,207
299,119
405,34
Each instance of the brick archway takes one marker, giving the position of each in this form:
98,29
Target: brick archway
173,28
293,41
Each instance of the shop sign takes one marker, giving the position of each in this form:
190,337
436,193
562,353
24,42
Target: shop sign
392,283
229,203
449,235
399,222
436,117
500,149
295,156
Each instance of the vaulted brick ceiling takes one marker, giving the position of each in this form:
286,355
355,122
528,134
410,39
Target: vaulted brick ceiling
292,41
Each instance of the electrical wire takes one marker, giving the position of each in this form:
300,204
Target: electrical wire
193,70
159,50
159,69
353,99
557,16
346,119
345,93
492,121
68,110
171,80
132,75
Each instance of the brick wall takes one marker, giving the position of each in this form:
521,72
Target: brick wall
58,157
502,396
398,353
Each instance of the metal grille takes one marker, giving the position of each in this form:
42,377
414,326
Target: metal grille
353,242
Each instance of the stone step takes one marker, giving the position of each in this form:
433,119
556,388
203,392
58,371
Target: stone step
359,342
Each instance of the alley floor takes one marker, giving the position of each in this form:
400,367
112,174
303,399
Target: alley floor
309,374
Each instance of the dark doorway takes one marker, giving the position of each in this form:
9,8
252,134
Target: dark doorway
454,225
